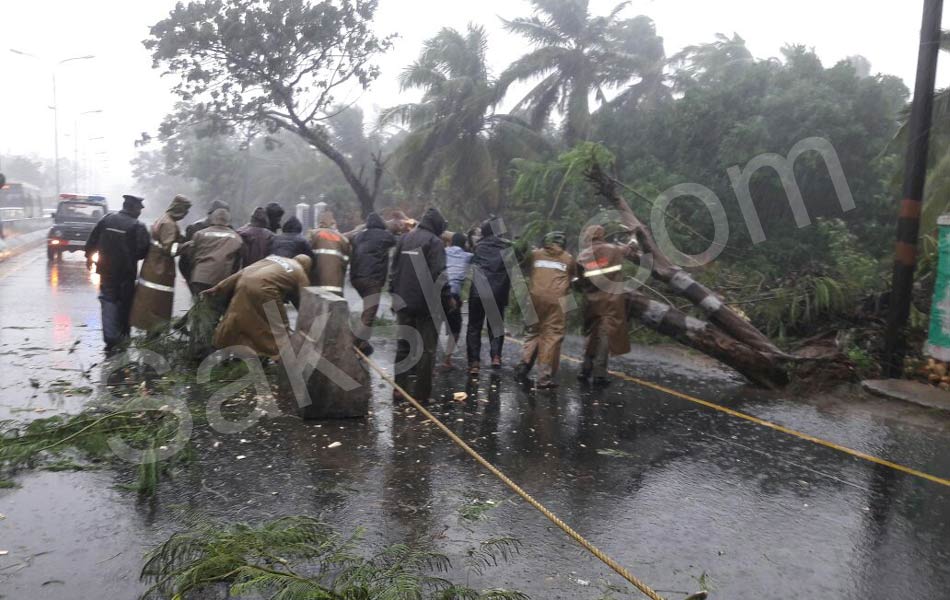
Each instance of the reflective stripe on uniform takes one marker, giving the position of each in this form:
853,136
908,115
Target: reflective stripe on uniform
219,234
114,230
550,264
156,286
330,288
411,252
331,252
280,261
603,271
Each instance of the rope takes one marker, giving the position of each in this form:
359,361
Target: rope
643,587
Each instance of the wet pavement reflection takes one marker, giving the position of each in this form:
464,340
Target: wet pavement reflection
678,493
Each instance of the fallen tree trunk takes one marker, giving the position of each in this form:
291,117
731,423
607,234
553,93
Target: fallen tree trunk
663,269
762,368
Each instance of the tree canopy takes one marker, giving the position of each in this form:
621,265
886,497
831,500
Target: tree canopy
272,65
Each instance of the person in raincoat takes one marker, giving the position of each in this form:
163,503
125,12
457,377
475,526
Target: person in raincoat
257,238
551,270
418,287
290,242
155,290
275,213
215,252
331,253
600,277
488,297
268,282
121,241
368,272
458,262
184,262
215,255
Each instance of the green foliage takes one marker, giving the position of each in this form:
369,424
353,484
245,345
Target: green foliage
555,194
245,66
578,54
457,149
300,558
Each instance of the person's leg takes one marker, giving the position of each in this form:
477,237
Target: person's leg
424,370
111,319
453,319
473,336
403,371
600,357
496,332
549,344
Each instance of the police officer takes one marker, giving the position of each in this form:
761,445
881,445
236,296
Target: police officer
600,277
551,270
121,241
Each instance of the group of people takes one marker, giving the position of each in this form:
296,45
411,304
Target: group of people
246,275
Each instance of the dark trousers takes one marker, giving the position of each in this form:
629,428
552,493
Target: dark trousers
476,321
415,364
596,355
115,298
369,291
454,317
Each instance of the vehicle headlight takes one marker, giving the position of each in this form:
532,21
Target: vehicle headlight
95,257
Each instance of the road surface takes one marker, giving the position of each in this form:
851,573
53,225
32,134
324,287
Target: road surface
686,485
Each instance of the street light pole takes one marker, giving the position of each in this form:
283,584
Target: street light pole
55,105
76,145
915,174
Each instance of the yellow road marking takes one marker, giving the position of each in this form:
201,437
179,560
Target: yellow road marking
769,424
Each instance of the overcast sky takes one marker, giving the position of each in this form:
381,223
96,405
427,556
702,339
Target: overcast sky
133,97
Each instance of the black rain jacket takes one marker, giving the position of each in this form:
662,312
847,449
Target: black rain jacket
290,242
370,256
423,247
121,241
489,264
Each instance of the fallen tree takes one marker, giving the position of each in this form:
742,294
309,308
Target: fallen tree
726,336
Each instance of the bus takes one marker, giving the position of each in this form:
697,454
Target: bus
21,199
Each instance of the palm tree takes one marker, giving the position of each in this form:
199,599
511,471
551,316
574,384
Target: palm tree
578,54
456,140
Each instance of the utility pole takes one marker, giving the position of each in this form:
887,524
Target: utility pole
915,173
55,106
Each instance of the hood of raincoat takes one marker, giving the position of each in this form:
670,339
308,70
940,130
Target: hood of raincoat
326,220
179,207
216,204
555,238
374,221
293,225
220,216
305,261
274,213
487,227
259,218
433,221
594,233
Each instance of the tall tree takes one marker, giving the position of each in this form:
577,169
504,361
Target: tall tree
276,64
577,55
455,136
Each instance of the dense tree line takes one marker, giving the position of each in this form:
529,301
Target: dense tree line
600,86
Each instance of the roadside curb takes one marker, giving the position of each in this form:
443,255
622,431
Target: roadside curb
20,244
913,392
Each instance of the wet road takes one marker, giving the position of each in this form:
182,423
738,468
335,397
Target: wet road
678,492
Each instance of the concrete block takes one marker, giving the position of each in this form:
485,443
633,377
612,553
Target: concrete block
339,386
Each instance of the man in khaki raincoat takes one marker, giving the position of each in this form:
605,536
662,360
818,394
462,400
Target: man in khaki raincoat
551,270
214,252
155,291
331,253
600,277
271,281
